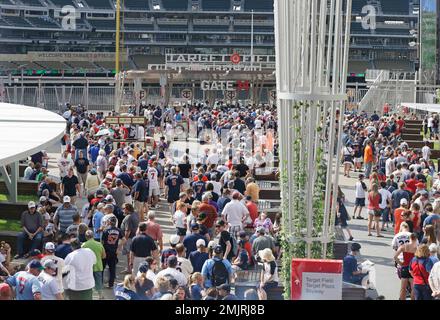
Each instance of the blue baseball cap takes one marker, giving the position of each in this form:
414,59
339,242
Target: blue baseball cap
35,264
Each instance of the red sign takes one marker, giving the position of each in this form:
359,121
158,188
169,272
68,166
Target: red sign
235,58
243,85
320,278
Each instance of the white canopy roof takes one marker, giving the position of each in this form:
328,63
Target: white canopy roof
422,106
27,130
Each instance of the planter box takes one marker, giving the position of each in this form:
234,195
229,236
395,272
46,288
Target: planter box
25,188
12,211
418,144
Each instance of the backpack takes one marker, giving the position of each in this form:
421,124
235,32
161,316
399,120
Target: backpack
219,273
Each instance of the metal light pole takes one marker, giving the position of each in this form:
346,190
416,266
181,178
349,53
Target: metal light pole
252,40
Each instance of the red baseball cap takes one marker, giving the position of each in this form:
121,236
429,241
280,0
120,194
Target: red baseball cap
5,292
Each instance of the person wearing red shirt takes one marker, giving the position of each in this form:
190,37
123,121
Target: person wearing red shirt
419,269
374,212
252,208
211,214
400,124
411,183
398,215
415,209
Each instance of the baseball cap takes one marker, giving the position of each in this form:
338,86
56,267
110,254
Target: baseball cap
31,204
261,229
194,226
403,201
225,287
49,263
242,234
99,192
201,216
66,199
355,246
118,181
49,246
143,267
109,176
34,253
218,249
174,239
200,243
35,264
5,290
43,199
211,244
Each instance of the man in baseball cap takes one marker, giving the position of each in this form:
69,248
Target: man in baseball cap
50,289
190,241
351,273
224,292
66,199
174,240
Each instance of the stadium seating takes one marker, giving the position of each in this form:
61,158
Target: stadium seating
16,21
41,22
356,28
171,27
216,5
401,65
390,31
257,29
103,24
62,3
258,5
34,3
175,5
80,65
100,4
357,66
357,5
138,26
395,7
219,28
54,65
5,2
137,4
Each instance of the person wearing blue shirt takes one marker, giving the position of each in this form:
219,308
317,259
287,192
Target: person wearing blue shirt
27,286
94,152
126,290
96,222
190,241
125,177
210,274
199,256
351,272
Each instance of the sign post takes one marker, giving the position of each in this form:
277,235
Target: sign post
314,279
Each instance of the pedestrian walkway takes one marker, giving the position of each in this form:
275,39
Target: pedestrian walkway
377,250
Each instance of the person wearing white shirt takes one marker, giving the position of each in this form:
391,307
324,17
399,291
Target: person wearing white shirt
64,164
434,280
173,272
50,288
183,264
426,151
390,165
235,213
385,204
49,250
360,188
213,158
79,281
179,219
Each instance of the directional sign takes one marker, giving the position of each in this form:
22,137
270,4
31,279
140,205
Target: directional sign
231,95
273,94
125,120
186,94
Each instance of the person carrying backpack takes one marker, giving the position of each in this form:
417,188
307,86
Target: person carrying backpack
217,271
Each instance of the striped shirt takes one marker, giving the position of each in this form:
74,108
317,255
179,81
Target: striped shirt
65,216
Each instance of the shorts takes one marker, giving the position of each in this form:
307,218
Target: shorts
181,232
360,202
126,247
357,160
404,272
375,213
155,192
385,215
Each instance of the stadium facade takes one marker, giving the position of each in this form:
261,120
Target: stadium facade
33,31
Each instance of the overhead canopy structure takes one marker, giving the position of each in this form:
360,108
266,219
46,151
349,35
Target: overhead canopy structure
23,132
422,106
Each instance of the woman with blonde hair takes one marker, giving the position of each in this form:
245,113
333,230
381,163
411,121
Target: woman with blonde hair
420,267
374,212
269,274
126,290
196,286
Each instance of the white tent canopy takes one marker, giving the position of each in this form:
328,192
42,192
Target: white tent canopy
422,106
26,130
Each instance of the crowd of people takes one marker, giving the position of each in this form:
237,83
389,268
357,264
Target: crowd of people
102,209
400,188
